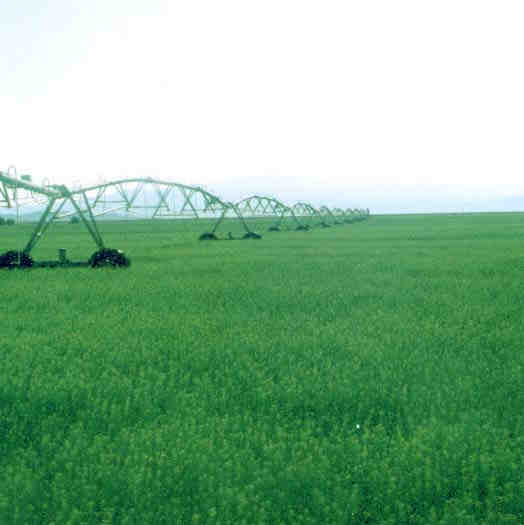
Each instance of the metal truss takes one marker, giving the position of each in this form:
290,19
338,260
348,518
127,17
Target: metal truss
340,215
356,214
349,215
231,212
309,215
149,199
15,193
158,199
329,218
277,214
140,197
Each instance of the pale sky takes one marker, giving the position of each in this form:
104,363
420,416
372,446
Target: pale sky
392,105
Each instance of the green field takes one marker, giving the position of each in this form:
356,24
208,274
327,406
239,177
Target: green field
365,373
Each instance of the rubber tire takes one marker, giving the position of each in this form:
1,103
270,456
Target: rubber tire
109,257
9,260
208,237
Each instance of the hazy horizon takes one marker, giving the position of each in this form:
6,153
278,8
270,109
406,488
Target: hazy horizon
384,200
394,106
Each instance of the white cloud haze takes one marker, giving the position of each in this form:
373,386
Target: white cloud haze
393,105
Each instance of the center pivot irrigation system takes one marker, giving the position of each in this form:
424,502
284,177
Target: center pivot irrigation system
147,198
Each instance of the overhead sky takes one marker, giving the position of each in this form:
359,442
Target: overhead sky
397,106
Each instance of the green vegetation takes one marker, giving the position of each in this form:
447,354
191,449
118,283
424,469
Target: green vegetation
365,373
7,222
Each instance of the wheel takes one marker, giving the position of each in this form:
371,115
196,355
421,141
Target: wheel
109,257
208,237
15,259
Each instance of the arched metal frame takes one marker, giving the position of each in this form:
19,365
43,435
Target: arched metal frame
156,199
143,197
356,214
308,214
328,216
258,207
339,214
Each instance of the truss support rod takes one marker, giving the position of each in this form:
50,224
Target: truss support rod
44,227
188,201
136,193
330,213
99,195
123,194
220,219
280,219
239,215
91,229
163,202
100,242
298,223
4,192
37,232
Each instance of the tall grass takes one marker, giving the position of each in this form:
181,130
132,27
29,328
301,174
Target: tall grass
368,373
